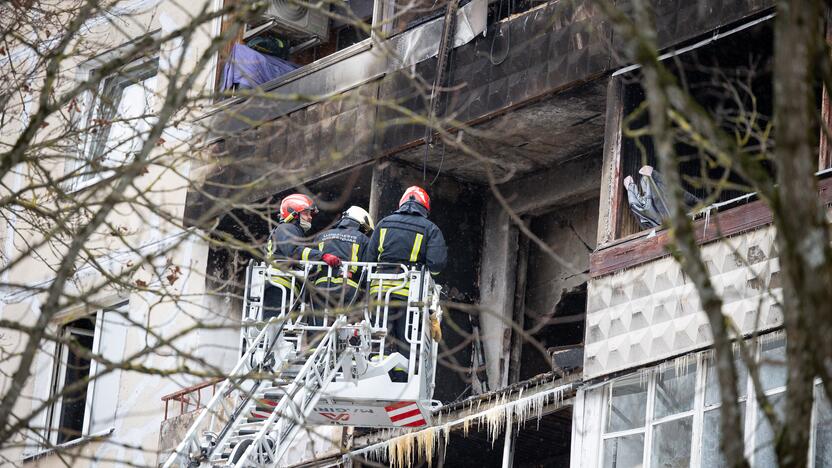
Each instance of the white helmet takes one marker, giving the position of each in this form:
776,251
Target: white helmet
362,217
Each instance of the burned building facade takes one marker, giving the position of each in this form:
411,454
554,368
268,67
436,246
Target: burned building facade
575,340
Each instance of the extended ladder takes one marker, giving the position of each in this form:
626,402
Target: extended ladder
247,439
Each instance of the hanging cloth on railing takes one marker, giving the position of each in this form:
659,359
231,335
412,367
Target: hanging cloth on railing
247,68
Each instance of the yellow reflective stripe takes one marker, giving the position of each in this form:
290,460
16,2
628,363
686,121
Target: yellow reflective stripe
335,280
354,257
374,287
321,246
305,255
381,233
399,292
417,246
285,283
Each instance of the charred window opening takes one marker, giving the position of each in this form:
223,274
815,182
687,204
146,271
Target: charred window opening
457,208
543,442
252,225
551,294
730,79
557,341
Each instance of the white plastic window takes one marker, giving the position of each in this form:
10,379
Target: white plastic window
669,416
84,393
120,117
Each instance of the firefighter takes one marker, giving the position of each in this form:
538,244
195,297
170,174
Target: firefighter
286,241
348,241
408,237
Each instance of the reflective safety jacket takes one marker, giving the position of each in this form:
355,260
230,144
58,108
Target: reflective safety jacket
408,236
346,242
287,242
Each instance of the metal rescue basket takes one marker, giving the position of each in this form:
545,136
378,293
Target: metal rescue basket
318,362
363,392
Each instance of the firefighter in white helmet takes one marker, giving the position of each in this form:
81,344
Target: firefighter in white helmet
348,241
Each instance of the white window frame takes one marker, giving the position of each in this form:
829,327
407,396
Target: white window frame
698,411
59,374
90,102
59,377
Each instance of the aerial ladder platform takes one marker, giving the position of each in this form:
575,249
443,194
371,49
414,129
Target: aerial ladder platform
319,361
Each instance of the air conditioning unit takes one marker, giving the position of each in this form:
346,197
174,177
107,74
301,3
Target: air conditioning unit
296,21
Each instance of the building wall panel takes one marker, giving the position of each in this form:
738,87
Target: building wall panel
652,312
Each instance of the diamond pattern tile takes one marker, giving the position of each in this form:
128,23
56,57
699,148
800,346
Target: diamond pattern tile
651,312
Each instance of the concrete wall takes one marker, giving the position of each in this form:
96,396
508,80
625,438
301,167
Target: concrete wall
553,191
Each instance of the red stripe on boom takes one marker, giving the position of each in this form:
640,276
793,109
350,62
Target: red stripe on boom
398,405
405,415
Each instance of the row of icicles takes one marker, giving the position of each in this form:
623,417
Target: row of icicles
402,450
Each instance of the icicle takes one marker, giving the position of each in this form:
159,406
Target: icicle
402,448
707,219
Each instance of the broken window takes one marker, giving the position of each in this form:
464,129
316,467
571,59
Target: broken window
734,85
551,294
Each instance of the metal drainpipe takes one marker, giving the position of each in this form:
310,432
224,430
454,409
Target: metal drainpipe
508,446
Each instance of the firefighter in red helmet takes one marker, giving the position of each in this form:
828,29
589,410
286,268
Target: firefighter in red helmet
287,241
408,237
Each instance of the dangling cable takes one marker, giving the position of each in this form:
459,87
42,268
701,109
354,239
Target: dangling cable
445,45
508,34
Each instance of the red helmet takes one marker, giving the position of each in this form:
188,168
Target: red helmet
418,194
295,204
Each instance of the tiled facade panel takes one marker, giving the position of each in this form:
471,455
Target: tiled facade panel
652,312
678,21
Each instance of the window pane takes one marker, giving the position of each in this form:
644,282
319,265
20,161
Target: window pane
712,435
671,443
823,431
764,456
132,121
674,390
773,363
624,452
712,395
73,403
628,405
